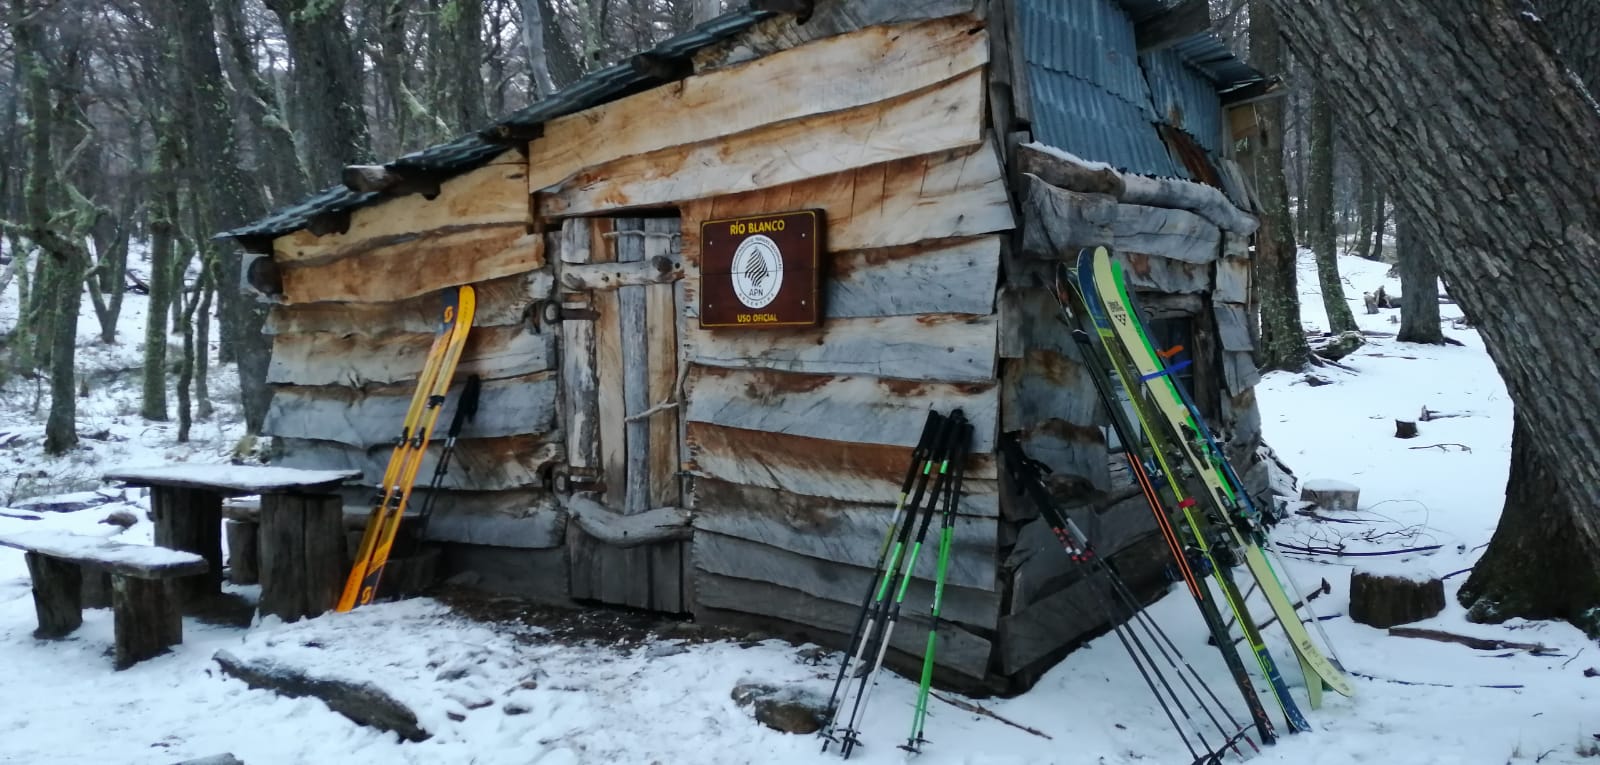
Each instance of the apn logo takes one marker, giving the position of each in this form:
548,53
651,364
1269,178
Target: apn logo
757,271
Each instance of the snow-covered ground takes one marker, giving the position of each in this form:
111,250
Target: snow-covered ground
506,694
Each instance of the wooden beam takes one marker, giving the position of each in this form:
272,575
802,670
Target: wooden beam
1172,25
501,302
493,194
478,464
326,358
931,347
371,417
938,276
417,265
828,76
1052,168
385,180
661,524
943,117
854,409
610,276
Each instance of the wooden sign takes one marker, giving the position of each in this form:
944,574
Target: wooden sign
761,271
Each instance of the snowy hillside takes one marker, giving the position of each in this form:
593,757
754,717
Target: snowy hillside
493,692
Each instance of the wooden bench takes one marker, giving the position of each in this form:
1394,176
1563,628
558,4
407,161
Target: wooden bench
145,617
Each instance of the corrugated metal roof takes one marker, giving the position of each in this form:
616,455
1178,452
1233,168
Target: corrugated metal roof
1091,40
473,149
1184,98
1084,119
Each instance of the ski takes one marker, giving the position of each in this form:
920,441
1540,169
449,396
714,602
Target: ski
1245,527
1217,556
399,476
1074,312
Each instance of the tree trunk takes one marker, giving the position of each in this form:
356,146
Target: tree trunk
326,86
705,10
1324,241
228,199
1367,213
285,176
464,65
1283,340
566,65
1380,223
533,44
1525,266
164,203
1419,287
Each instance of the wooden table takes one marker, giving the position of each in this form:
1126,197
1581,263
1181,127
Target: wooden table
302,534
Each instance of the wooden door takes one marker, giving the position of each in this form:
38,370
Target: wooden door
617,280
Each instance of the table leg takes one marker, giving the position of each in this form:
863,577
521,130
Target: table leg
191,520
302,554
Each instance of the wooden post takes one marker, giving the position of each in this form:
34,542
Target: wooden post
57,595
302,554
243,552
146,620
96,586
191,520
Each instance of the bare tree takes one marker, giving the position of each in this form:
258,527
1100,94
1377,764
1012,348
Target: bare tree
1525,265
1419,286
1324,239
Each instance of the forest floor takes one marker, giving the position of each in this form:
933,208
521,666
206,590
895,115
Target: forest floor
548,691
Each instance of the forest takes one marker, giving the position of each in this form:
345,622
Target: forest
140,129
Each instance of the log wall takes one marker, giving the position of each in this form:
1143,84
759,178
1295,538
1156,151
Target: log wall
796,440
359,313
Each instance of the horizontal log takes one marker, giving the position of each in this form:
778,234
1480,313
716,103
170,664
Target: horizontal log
942,347
373,417
417,265
500,302
493,194
1048,385
1040,565
539,524
864,410
841,532
1164,275
1063,619
610,276
1074,174
840,583
934,196
1070,451
325,358
719,599
940,276
537,575
1056,223
477,464
1176,234
817,468
940,118
662,524
828,76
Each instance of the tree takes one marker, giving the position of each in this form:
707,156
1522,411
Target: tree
1524,264
1283,341
325,76
1419,287
1324,239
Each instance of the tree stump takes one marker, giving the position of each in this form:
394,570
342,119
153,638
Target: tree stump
191,520
1384,601
1331,495
1405,429
57,595
146,620
302,550
244,554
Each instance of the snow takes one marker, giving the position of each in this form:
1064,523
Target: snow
1069,157
1328,485
81,547
492,692
251,478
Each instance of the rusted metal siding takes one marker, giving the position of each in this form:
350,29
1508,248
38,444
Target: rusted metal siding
1184,98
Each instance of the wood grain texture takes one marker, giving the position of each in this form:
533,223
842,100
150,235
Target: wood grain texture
661,321
828,19
493,194
829,76
1176,234
939,276
936,196
939,118
478,464
1057,222
1052,624
816,468
788,611
580,397
623,531
371,417
325,358
1164,275
850,408
933,347
417,265
840,583
533,522
1233,281
636,340
500,302
145,619
57,595
844,532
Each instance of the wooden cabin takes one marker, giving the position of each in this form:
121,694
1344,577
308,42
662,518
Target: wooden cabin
948,152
